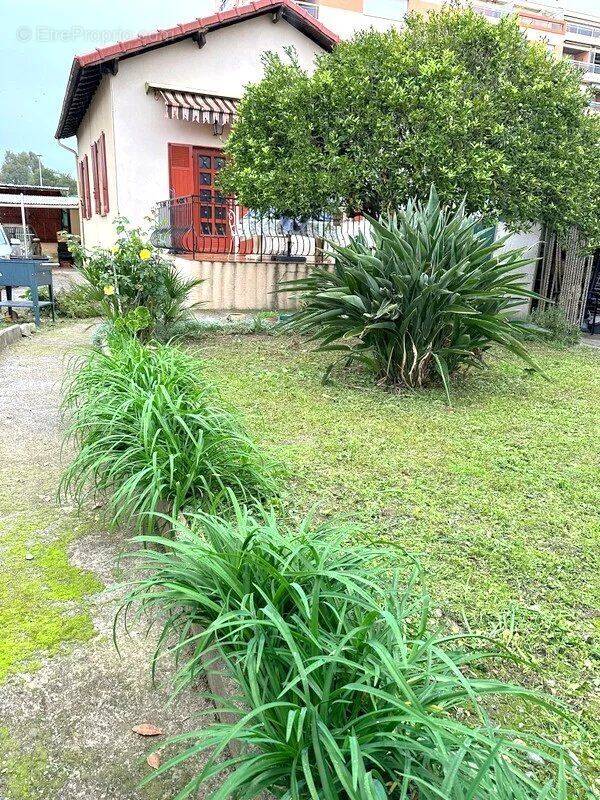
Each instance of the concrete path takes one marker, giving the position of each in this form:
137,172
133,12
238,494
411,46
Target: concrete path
66,711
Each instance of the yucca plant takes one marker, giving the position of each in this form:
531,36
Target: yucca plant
152,435
429,295
345,693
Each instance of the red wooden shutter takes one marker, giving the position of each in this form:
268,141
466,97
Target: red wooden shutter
103,174
95,177
86,188
181,170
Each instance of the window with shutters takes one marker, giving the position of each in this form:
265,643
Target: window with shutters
103,175
95,178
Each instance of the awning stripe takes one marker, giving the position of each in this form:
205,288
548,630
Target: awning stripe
196,107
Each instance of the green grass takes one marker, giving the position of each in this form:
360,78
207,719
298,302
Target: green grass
499,496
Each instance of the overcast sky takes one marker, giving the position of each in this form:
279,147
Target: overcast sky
38,39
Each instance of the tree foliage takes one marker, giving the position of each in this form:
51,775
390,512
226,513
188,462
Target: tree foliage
23,168
450,100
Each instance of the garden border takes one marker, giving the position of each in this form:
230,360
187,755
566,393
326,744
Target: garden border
14,333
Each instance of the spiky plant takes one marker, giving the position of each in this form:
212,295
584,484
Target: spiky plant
152,435
344,691
430,295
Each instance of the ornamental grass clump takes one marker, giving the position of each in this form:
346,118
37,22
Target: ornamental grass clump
152,436
428,297
344,691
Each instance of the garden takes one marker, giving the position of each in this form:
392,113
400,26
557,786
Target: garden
371,526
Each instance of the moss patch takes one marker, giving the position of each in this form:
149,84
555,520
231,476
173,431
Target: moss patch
499,495
24,776
40,594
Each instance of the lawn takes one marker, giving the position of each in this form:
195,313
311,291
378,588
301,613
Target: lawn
499,495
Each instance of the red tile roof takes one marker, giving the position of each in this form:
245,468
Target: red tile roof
87,70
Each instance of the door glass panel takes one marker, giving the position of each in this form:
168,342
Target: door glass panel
205,178
205,195
219,162
206,228
205,162
220,229
205,212
220,212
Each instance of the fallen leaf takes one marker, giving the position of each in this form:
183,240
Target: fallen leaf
153,760
147,729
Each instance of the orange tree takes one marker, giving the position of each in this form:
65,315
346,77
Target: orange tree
450,100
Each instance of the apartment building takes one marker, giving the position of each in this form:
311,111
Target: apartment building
569,34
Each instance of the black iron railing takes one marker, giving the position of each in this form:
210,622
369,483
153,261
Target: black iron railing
213,224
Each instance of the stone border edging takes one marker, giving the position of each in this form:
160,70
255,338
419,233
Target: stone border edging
14,333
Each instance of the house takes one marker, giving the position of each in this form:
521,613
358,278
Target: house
151,116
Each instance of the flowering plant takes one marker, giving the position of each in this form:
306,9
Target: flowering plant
133,274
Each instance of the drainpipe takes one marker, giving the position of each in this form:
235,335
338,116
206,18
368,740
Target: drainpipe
79,188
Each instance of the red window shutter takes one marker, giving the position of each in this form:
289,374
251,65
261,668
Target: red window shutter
181,170
86,188
95,177
103,174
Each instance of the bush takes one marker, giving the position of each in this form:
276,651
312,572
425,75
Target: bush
134,274
428,298
78,302
153,433
344,692
555,327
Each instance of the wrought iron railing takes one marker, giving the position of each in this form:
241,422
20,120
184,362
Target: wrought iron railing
213,224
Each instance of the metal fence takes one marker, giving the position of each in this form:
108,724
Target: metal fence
213,224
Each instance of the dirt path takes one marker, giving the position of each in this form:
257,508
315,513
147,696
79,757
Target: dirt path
68,701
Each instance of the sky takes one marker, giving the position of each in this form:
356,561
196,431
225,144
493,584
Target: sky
38,39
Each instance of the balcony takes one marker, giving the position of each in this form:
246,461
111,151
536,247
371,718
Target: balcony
214,227
311,8
583,30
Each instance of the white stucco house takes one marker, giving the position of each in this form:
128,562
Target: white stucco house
151,116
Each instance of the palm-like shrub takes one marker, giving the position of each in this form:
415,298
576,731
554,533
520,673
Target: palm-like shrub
152,435
344,692
431,294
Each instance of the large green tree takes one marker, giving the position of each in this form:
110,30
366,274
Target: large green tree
23,168
450,100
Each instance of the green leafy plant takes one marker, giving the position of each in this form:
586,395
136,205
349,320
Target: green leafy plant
344,691
450,99
428,297
134,274
78,302
153,434
555,327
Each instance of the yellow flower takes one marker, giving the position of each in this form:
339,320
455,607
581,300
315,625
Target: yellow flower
114,250
145,254
108,290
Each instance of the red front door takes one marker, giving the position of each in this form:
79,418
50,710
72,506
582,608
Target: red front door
211,223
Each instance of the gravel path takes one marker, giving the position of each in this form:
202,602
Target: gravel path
66,725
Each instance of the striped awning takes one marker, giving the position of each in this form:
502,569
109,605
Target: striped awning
196,106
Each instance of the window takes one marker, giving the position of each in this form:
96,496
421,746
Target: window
311,8
389,9
541,24
583,30
95,177
103,175
99,181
